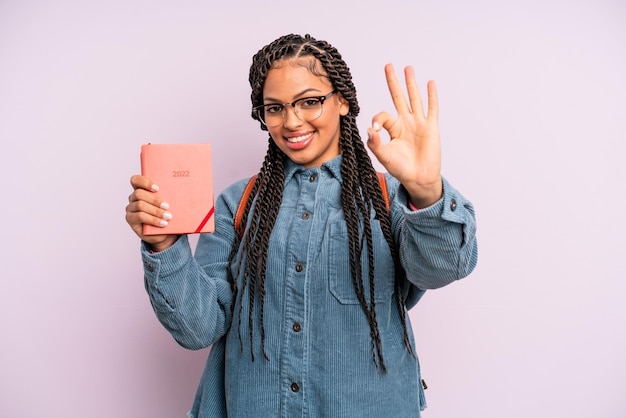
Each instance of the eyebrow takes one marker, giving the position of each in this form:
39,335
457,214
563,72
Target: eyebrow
297,96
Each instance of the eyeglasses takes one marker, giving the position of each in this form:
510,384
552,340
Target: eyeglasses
306,109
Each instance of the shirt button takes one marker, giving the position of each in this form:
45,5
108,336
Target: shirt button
295,388
297,327
306,216
453,205
299,267
149,267
313,178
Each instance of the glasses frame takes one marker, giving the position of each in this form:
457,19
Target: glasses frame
260,110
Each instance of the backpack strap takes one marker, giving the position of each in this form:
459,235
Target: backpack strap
383,185
246,194
242,203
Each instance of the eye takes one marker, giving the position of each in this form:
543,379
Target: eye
273,109
309,102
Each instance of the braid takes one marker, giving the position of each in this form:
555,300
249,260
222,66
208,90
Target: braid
373,194
361,195
252,248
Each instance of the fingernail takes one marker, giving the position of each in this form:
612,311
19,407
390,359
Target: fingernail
165,205
376,126
154,187
163,222
167,216
369,134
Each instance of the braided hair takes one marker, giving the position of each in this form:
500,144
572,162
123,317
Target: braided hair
360,193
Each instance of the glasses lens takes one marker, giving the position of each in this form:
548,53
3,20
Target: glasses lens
271,115
309,109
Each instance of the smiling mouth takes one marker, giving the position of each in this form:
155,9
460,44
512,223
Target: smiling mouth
301,138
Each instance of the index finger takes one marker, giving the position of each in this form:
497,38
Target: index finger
143,182
397,95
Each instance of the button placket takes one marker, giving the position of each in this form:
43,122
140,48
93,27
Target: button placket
294,364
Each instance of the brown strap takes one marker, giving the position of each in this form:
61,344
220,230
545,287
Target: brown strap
246,194
242,202
383,186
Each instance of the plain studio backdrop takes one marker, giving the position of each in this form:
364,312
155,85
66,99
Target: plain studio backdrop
532,117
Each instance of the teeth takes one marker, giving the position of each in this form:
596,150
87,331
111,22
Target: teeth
299,138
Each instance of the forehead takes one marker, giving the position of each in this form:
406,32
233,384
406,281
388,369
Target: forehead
289,78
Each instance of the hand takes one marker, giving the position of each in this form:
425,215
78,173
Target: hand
144,207
413,154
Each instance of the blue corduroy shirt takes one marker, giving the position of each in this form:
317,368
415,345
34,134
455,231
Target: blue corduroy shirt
317,337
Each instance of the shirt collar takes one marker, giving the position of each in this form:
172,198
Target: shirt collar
332,166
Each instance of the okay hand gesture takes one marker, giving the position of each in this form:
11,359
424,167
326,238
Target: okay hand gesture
413,153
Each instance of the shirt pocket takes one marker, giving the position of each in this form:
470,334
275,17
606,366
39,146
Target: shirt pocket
340,278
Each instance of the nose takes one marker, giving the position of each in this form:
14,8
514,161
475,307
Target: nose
291,119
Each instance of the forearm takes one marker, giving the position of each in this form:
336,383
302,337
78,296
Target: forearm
192,306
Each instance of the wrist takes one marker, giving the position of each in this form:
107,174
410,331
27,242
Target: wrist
157,247
423,196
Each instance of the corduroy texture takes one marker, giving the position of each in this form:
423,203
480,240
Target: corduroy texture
328,353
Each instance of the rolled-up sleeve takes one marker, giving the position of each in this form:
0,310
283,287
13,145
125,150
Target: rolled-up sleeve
438,243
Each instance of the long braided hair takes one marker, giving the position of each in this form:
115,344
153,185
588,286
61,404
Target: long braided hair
360,194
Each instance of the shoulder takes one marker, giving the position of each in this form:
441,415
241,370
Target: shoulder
229,198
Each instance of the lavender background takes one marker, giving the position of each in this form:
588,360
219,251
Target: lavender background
533,98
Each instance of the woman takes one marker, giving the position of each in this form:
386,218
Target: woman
305,305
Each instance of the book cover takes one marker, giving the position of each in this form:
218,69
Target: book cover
183,173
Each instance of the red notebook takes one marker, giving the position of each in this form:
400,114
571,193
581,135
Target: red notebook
183,173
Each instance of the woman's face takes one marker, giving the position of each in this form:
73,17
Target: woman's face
306,143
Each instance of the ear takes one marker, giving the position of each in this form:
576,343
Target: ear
344,106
